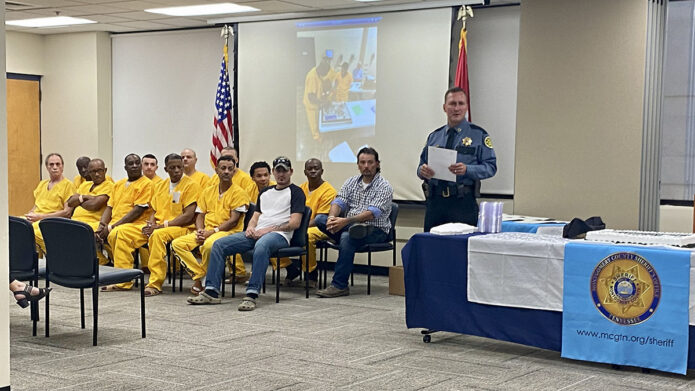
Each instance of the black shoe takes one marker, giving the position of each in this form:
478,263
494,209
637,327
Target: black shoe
360,231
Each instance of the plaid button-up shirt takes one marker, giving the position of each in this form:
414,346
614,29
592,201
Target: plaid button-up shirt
354,199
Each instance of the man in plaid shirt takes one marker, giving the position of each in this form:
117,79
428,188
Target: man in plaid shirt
359,215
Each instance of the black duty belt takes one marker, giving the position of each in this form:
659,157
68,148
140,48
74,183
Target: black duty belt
454,190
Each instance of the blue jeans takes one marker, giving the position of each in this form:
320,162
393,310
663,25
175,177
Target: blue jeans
347,248
239,244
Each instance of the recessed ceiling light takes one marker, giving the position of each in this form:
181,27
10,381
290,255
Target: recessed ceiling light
203,9
53,21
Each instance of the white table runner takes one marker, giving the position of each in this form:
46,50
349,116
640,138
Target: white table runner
524,270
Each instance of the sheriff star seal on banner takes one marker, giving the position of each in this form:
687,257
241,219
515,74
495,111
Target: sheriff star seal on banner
488,142
625,288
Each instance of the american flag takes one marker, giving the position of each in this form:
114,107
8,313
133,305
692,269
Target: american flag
222,134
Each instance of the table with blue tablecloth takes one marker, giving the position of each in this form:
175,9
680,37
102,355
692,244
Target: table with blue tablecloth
525,226
436,274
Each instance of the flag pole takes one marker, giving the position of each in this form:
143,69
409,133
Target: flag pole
223,133
226,33
464,13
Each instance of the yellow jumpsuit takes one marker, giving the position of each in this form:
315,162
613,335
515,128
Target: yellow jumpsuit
312,85
92,218
217,209
342,86
125,238
78,180
49,201
243,180
144,252
168,204
201,179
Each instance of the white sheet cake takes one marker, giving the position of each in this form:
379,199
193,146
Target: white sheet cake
680,239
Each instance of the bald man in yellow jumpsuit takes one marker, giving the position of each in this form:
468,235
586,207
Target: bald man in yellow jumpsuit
189,161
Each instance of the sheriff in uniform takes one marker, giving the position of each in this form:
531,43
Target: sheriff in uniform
447,201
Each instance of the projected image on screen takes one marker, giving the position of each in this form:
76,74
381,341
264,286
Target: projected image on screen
336,88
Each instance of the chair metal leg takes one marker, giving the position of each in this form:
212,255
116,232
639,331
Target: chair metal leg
35,306
369,272
82,307
171,269
277,281
234,275
224,283
34,317
142,304
305,261
95,310
47,301
180,278
136,262
325,269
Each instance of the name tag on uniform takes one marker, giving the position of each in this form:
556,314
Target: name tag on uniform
466,150
176,197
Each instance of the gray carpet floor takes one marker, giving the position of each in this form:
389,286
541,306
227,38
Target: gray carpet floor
357,342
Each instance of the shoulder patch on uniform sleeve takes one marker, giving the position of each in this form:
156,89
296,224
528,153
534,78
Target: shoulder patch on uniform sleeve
488,142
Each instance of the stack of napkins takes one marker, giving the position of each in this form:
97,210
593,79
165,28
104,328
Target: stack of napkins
453,229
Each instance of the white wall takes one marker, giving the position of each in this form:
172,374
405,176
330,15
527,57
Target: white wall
164,88
579,109
76,90
25,53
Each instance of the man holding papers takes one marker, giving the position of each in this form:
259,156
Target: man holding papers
455,158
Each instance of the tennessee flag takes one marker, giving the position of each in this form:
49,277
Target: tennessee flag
462,69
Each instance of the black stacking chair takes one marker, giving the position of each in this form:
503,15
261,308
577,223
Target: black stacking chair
298,248
388,245
247,218
71,262
24,259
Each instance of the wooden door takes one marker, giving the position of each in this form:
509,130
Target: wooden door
23,143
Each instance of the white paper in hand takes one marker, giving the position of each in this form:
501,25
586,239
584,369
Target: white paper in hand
439,160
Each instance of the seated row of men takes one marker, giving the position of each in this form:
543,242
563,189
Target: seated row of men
192,211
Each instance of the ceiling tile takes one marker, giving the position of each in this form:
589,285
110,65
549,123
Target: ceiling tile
50,3
134,5
143,25
183,22
139,15
109,18
275,6
94,9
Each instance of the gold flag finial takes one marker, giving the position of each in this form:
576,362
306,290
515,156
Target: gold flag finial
465,12
227,31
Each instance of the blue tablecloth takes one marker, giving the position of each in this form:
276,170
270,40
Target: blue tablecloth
516,226
436,273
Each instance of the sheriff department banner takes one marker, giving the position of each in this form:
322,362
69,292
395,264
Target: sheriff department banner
626,305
